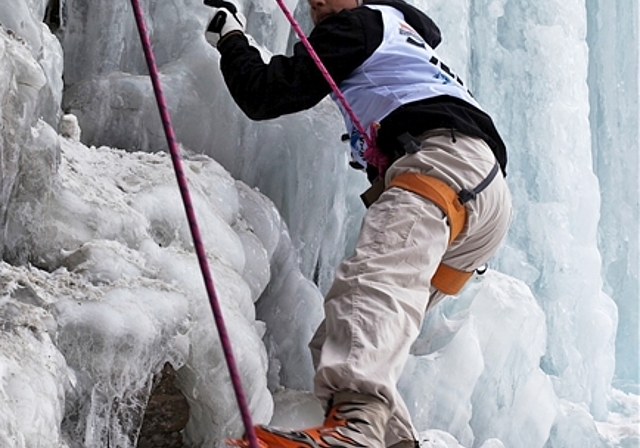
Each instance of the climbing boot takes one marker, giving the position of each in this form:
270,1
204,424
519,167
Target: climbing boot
353,421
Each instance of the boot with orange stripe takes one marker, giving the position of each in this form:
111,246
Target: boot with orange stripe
354,421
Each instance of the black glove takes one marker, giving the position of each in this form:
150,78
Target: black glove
226,20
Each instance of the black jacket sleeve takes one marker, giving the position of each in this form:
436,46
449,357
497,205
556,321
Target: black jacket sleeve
290,84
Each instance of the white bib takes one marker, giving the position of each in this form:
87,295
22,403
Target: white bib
403,69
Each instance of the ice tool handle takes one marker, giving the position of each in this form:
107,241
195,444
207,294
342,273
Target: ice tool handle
181,177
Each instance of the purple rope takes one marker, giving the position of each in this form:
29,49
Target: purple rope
193,225
326,74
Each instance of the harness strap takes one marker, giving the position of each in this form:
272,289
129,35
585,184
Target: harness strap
467,195
446,279
449,280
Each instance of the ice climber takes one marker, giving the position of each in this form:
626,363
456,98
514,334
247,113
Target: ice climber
441,210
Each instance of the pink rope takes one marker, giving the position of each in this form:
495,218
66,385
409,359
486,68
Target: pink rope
336,90
193,225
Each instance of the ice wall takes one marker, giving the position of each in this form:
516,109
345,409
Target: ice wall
528,68
31,82
512,361
113,103
614,48
99,286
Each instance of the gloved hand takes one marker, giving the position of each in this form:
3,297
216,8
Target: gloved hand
226,20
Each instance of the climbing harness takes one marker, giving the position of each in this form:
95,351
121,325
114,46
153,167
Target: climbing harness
446,279
193,225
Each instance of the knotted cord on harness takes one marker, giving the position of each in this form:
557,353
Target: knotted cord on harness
193,225
372,154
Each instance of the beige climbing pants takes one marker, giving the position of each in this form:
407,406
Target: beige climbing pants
375,307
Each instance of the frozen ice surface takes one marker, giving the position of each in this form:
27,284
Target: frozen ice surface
99,285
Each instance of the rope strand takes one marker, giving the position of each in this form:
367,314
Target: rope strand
325,73
193,225
372,154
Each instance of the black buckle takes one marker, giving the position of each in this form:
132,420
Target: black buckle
410,144
467,195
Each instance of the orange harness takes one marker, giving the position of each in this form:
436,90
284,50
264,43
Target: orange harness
446,279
